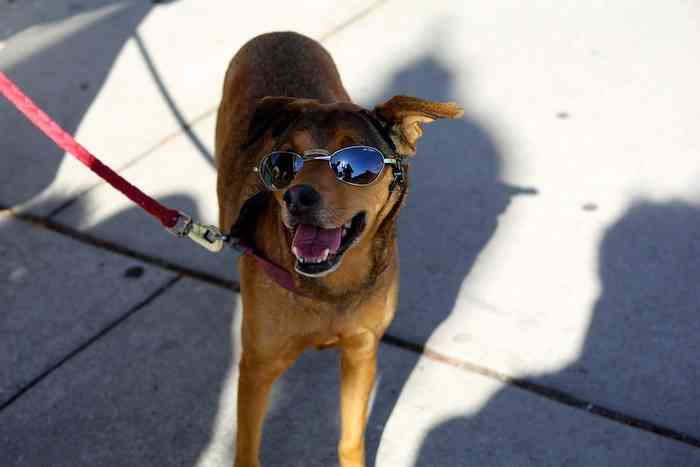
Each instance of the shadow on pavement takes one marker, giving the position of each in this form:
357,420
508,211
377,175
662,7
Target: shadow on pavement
146,393
455,201
639,358
63,75
63,78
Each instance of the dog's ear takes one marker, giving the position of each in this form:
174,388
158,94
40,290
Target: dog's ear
403,116
274,113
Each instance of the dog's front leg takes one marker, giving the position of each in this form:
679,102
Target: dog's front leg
358,367
254,383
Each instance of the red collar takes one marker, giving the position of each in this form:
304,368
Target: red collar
277,273
281,276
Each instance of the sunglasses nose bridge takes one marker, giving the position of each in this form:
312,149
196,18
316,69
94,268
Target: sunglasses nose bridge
316,173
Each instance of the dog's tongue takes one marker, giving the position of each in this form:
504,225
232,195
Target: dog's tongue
311,241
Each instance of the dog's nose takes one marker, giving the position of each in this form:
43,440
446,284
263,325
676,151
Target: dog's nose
301,199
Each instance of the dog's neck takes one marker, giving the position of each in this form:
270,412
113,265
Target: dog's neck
361,267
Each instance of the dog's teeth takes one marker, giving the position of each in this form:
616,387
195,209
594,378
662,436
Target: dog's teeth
319,259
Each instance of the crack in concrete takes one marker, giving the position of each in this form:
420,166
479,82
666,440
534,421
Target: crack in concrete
352,20
547,392
91,340
97,242
144,155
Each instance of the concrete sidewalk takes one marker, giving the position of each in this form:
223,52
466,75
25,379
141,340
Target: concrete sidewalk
550,246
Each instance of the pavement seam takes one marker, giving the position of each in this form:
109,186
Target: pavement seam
120,169
352,20
170,101
100,243
546,392
420,349
105,330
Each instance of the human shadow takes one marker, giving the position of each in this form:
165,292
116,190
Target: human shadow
639,359
454,201
62,69
145,393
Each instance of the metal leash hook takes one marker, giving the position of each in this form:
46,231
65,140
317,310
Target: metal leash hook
206,236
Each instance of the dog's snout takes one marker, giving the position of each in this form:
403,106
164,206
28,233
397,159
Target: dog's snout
301,199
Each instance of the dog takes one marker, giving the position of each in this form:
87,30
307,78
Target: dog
312,185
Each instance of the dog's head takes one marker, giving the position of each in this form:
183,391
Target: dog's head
325,217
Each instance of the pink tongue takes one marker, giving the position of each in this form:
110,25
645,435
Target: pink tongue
311,241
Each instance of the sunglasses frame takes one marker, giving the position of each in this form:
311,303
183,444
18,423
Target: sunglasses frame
325,155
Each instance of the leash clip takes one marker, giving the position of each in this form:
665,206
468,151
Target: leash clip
182,225
206,236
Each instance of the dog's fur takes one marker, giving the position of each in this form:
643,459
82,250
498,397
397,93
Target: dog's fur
282,91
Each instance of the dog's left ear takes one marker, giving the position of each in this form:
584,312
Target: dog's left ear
403,116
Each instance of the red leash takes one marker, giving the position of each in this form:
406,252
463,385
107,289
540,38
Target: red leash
168,217
176,222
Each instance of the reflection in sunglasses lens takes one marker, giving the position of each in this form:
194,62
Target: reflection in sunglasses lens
279,169
361,165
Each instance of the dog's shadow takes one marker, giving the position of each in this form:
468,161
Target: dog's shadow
454,202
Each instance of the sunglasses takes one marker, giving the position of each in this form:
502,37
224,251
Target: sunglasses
354,165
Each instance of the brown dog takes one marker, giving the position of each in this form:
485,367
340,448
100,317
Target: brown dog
336,277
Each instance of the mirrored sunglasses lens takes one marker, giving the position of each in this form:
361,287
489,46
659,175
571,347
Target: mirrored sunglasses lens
361,165
279,168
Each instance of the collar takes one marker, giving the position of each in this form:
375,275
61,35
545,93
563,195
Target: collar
277,273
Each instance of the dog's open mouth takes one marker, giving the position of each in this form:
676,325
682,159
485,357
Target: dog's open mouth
319,251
